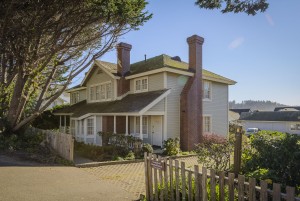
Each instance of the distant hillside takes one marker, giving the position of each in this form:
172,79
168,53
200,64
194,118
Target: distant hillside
255,105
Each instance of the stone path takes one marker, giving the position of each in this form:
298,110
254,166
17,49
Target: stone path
131,177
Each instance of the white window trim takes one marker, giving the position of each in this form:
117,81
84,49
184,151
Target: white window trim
95,87
210,116
75,96
210,93
141,90
87,127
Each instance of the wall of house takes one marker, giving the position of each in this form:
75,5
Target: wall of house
159,107
176,83
155,82
98,79
272,126
217,108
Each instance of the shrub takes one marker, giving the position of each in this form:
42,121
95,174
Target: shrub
275,156
171,147
130,156
147,148
214,152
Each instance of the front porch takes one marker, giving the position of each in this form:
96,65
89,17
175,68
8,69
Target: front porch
148,128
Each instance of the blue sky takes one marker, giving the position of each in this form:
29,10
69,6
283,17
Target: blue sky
260,52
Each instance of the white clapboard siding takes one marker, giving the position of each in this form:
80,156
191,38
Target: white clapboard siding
176,83
217,108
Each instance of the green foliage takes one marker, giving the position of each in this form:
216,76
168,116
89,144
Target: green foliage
27,141
47,120
172,147
237,6
147,148
162,186
273,155
214,152
130,156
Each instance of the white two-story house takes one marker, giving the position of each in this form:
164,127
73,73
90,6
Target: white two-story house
154,99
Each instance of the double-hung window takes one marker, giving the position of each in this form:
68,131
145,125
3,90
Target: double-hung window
206,90
141,84
90,126
75,97
207,124
101,92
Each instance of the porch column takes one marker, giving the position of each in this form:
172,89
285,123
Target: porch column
141,127
126,132
115,122
65,128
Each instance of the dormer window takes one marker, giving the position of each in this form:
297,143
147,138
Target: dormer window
101,92
141,84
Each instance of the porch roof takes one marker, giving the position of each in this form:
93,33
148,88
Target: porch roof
132,103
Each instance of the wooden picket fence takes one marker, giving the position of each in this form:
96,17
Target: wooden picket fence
62,143
204,185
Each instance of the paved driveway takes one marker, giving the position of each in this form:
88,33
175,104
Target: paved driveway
131,177
26,181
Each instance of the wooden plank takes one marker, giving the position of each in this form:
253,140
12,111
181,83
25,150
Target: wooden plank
276,192
204,184
150,177
221,186
155,180
166,179
231,186
146,175
190,185
197,184
177,180
161,182
183,181
241,186
212,185
171,173
263,190
252,192
290,193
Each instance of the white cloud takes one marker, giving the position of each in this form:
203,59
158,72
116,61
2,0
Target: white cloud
236,43
270,20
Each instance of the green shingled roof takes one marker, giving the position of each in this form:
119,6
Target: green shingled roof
166,61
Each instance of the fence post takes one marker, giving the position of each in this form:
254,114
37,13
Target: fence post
204,184
237,151
150,180
290,193
276,192
183,180
146,175
197,189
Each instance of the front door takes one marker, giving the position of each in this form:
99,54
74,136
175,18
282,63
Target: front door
156,130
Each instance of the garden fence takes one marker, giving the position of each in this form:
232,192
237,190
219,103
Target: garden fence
166,179
62,143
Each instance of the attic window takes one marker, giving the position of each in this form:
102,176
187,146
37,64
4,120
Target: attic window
99,71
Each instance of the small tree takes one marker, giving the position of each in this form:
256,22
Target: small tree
45,44
214,152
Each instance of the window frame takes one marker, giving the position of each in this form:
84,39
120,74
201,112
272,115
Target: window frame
102,92
210,90
141,89
88,127
204,123
75,97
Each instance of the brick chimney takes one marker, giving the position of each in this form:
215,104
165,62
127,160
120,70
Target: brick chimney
123,67
191,112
